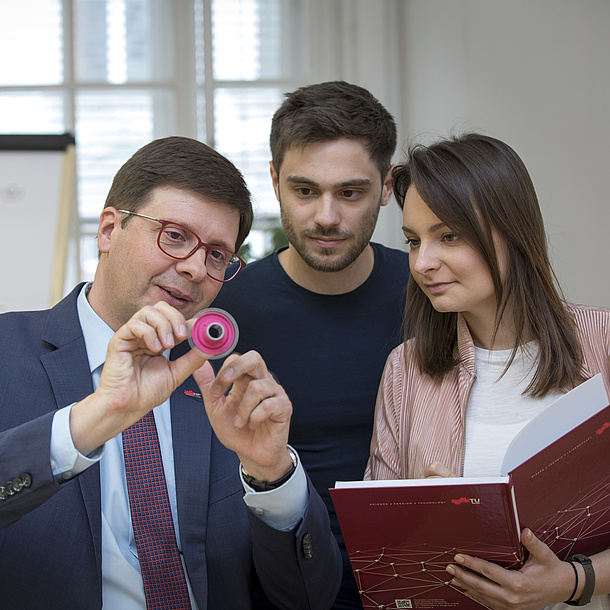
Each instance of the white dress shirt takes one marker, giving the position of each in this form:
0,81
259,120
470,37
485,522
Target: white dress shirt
122,585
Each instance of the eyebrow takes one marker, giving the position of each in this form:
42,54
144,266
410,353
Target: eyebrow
218,244
431,229
346,183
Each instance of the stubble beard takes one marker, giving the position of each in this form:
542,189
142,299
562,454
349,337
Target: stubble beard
325,259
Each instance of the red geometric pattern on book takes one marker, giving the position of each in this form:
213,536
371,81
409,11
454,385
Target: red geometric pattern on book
384,575
164,582
582,520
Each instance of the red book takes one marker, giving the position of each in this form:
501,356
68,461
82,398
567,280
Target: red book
400,535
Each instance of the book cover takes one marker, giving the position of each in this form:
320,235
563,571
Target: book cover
400,539
401,535
563,492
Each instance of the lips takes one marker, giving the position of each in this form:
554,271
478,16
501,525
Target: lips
175,297
330,240
437,287
327,243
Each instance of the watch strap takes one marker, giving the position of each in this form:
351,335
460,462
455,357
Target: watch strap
587,592
258,485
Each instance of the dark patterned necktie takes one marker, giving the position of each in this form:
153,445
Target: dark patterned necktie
164,582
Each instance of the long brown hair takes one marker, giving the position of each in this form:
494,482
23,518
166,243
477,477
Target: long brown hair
478,186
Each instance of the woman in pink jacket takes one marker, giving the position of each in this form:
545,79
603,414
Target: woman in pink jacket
489,343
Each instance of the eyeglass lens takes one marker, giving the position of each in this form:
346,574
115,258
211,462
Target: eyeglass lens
179,242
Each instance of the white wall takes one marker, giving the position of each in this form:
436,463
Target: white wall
359,41
536,74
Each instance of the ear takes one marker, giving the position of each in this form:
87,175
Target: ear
275,179
387,190
110,219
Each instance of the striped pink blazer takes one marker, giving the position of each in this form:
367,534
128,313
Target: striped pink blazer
420,419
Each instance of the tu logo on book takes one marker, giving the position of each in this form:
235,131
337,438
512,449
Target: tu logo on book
459,501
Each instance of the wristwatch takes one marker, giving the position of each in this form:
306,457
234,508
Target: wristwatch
587,592
258,485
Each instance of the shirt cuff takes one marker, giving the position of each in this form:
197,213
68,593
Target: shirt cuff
281,508
66,461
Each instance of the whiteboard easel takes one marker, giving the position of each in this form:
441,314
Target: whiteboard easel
37,213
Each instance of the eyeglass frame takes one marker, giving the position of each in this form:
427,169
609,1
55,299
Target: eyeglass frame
200,244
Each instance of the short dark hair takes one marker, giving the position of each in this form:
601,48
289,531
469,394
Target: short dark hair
478,186
182,163
328,111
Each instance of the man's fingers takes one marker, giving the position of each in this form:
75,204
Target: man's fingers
274,409
191,363
252,395
263,400
239,367
204,376
160,327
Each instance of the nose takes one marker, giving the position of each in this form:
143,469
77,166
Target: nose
327,211
425,258
194,267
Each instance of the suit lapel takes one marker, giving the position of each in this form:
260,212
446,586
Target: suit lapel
67,367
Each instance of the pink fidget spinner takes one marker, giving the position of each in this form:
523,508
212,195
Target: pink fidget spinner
214,333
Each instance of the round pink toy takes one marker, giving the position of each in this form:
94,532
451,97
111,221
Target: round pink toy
214,333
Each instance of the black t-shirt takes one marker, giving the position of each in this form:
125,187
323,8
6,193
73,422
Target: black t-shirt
328,352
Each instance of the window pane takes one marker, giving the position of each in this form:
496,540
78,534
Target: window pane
31,42
110,127
36,112
242,125
88,252
252,39
201,116
113,40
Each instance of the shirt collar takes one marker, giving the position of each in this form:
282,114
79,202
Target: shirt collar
96,332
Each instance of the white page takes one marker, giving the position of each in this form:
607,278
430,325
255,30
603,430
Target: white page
565,413
419,482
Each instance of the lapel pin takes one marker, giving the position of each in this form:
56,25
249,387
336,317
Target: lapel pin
191,393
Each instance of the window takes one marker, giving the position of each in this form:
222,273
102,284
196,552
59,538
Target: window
119,73
256,53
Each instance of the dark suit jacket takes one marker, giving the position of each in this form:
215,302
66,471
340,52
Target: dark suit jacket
50,541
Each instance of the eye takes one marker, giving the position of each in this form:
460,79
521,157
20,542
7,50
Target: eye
350,194
174,235
450,238
412,242
304,191
219,257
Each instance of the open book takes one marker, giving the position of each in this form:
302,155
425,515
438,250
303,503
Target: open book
400,535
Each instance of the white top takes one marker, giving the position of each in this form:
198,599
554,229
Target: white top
497,408
496,411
